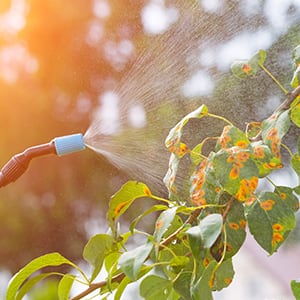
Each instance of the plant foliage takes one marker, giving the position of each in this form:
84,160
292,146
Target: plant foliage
189,253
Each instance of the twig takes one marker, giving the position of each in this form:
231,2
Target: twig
289,99
118,278
95,286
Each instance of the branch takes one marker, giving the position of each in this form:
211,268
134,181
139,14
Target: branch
289,99
95,286
118,278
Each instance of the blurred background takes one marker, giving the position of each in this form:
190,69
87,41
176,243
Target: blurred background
128,70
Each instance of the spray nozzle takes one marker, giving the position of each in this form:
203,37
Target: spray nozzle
19,163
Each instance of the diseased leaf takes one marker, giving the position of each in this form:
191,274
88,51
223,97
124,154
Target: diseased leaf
95,251
288,197
182,285
244,68
122,200
169,179
270,220
202,289
224,275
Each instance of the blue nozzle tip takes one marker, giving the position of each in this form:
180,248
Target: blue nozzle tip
68,144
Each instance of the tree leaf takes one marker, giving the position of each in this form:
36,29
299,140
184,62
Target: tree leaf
132,261
152,209
296,56
270,220
244,68
236,171
223,275
295,163
287,195
48,260
122,200
64,286
95,251
169,178
202,289
295,113
296,77
295,285
182,285
163,222
30,283
154,287
203,236
195,154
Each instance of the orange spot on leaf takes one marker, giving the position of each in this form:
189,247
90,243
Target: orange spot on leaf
267,205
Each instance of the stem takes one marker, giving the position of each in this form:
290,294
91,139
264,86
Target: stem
220,118
274,79
287,149
162,199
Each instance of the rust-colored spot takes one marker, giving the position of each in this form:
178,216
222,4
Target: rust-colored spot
267,205
234,173
227,280
282,195
119,207
159,224
277,227
277,238
241,144
242,223
206,262
246,68
259,152
250,200
147,191
233,225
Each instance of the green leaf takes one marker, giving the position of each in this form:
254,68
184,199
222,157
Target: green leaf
64,286
295,285
30,283
195,154
270,220
296,56
95,251
163,222
235,224
121,287
287,195
224,275
274,129
48,260
132,261
244,68
182,285
236,171
203,236
122,200
202,289
295,114
152,209
232,137
295,163
154,287
264,159
296,77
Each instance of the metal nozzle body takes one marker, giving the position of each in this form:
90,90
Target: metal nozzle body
19,163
